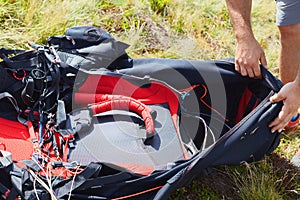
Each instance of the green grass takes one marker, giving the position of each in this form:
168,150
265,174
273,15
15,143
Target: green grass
259,181
192,29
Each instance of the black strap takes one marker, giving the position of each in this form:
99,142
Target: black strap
3,189
100,181
91,170
13,194
10,51
31,164
27,92
20,64
87,196
16,176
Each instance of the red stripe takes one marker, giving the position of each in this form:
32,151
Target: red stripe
244,101
138,193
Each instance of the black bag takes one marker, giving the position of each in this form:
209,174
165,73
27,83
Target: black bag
138,132
89,47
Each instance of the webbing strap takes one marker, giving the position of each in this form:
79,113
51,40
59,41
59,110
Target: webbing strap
11,99
10,51
22,64
12,194
16,179
5,158
32,135
3,190
88,172
105,180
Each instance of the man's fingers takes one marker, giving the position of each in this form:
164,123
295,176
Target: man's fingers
237,67
250,72
243,71
281,121
284,117
279,127
257,72
248,68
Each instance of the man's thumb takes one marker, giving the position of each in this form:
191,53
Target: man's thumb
263,61
276,98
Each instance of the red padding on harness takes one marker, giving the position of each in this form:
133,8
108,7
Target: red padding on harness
117,102
16,138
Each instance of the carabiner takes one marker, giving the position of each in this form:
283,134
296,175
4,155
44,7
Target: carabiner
19,76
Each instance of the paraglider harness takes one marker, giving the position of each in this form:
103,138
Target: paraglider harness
43,100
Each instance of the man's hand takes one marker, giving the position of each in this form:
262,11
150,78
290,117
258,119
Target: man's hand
290,95
248,55
248,52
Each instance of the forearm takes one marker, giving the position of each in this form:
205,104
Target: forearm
240,15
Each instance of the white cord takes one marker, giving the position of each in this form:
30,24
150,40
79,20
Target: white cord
207,129
73,180
35,191
43,184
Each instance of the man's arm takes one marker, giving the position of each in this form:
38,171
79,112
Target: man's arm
248,51
290,95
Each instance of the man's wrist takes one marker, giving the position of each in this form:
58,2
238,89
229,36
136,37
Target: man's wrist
242,36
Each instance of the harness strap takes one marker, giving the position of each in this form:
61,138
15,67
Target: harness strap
16,179
5,158
10,51
19,64
32,135
4,190
66,147
90,171
27,92
11,99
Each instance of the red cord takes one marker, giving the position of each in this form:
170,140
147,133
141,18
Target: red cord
207,105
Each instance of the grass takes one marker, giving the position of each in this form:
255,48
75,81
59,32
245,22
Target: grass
192,29
258,186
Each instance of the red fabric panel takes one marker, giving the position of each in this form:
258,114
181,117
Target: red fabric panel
137,168
244,102
16,138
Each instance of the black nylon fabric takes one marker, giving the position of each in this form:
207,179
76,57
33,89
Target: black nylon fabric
252,138
90,48
214,75
249,140
80,37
